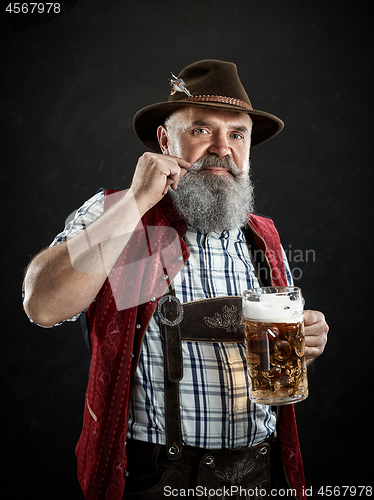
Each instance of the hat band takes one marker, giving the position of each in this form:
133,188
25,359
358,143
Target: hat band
219,98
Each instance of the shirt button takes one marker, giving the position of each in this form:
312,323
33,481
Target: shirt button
235,409
213,273
230,361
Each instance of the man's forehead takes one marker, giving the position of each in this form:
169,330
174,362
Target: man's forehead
199,115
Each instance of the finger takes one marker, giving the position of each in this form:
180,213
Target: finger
182,163
315,343
315,330
312,353
175,175
315,323
312,317
315,348
172,177
315,340
183,166
171,167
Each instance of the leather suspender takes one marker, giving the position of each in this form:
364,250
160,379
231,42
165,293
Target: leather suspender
209,320
170,317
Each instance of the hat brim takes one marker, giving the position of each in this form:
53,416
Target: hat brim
147,120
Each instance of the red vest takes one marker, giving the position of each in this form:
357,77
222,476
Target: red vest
118,320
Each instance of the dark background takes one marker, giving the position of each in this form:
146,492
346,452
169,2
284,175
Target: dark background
70,88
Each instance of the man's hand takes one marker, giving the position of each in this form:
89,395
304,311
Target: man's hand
316,330
153,176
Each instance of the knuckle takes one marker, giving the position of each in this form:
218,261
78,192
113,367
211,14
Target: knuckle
319,317
150,157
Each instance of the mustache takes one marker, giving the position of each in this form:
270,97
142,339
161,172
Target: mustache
215,161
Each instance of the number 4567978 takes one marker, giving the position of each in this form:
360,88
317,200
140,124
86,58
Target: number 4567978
33,8
345,491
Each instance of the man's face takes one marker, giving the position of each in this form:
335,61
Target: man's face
194,131
215,193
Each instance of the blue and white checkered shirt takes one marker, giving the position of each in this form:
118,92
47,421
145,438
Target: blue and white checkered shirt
216,411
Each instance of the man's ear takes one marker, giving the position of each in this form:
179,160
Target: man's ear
163,139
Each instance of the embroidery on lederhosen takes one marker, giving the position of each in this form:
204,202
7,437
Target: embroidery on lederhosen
235,475
230,320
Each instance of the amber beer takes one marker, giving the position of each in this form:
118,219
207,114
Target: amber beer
275,345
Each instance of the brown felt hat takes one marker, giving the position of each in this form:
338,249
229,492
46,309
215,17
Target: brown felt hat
212,84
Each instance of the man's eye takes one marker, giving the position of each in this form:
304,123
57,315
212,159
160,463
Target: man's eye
200,131
236,136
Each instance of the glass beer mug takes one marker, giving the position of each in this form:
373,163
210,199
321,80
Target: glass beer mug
275,345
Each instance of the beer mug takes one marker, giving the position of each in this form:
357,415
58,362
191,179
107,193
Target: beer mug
275,345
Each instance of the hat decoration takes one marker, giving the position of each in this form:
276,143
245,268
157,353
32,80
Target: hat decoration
178,85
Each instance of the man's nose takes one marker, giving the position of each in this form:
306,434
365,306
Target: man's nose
219,145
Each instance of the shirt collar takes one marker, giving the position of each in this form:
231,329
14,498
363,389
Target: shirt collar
235,234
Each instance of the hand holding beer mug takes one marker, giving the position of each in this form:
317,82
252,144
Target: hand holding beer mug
275,345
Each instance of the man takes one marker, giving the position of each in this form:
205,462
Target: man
172,402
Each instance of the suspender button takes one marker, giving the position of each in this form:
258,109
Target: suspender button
173,449
209,461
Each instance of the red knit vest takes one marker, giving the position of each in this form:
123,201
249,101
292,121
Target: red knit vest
118,320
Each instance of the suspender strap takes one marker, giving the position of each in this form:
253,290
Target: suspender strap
169,309
208,320
170,312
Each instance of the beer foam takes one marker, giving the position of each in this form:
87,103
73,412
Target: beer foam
274,309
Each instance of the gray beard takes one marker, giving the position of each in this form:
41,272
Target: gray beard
210,202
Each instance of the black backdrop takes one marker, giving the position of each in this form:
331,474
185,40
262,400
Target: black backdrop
69,90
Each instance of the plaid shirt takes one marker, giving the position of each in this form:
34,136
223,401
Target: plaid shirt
216,411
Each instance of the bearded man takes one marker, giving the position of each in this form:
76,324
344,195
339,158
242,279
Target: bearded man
167,405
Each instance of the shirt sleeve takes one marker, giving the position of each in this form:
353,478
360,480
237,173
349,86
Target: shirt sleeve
77,222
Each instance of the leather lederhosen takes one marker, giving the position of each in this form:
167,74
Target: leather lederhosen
207,320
